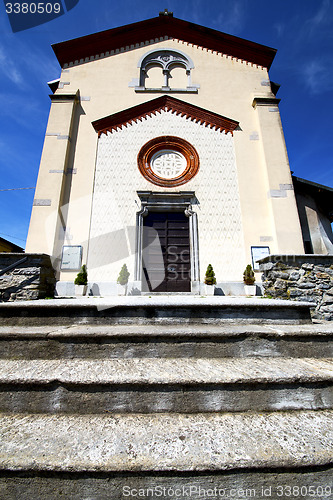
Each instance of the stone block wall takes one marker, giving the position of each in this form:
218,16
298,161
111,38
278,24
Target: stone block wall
31,279
301,277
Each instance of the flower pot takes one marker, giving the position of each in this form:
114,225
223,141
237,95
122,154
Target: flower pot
80,290
210,289
122,289
250,289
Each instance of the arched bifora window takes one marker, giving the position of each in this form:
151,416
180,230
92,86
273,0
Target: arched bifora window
165,70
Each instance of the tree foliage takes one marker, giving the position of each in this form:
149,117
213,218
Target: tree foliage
248,276
210,276
123,276
82,277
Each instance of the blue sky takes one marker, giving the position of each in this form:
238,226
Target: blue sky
302,31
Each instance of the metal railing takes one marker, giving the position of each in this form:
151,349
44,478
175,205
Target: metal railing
12,266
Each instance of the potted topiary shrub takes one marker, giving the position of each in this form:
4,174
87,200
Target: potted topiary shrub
249,279
81,282
210,280
123,280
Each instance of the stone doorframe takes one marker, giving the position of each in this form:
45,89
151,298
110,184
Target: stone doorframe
169,202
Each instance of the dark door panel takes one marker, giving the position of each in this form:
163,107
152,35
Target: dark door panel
167,266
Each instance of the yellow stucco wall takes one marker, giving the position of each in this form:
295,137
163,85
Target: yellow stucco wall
227,87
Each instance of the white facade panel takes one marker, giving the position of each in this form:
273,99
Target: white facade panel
115,200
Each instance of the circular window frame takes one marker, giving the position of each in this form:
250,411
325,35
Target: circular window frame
173,144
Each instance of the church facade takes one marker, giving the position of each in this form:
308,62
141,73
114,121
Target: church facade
164,150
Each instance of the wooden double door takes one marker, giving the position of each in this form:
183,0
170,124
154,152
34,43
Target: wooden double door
166,252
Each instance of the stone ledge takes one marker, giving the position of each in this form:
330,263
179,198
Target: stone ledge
155,310
214,332
167,371
164,442
153,301
315,259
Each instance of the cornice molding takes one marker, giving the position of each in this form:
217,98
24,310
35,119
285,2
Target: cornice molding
166,103
265,101
65,97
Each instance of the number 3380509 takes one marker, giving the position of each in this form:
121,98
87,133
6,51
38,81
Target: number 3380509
33,8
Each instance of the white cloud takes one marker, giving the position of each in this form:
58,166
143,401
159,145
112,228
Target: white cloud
231,20
320,23
26,64
8,68
196,11
280,29
24,111
321,16
44,68
318,75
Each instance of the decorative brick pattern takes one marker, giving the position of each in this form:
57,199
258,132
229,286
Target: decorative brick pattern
118,179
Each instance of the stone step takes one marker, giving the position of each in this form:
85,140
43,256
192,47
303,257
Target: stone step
97,395
174,442
306,483
165,385
165,341
155,310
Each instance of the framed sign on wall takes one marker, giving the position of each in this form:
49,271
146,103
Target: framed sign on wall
258,253
71,259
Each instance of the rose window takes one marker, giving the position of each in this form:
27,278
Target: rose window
168,161
168,164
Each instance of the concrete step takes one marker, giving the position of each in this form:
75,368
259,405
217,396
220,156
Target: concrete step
155,310
175,442
165,341
165,385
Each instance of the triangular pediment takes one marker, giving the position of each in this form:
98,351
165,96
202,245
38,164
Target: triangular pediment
166,103
131,36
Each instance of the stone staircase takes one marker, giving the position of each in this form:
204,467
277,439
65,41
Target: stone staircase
165,398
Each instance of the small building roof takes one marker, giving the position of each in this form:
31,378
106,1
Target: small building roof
200,115
323,195
8,246
164,26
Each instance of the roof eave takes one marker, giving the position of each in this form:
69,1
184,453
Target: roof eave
312,184
200,115
79,49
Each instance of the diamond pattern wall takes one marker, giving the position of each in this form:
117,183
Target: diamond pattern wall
115,202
